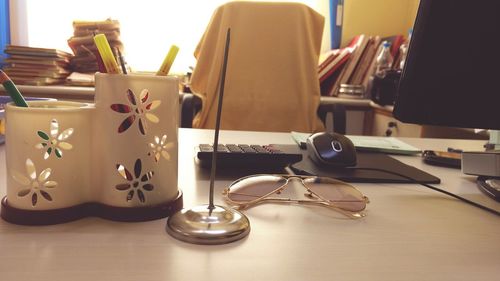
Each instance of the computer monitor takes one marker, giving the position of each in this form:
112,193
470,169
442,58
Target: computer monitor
451,75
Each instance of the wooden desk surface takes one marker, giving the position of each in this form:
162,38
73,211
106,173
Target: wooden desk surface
409,233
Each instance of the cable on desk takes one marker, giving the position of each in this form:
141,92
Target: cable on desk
434,188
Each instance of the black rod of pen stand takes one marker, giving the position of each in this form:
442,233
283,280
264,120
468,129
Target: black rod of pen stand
217,121
210,224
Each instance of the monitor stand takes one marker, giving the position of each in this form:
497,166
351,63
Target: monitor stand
486,165
494,142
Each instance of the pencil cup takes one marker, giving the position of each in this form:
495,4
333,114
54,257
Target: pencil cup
115,159
48,155
135,143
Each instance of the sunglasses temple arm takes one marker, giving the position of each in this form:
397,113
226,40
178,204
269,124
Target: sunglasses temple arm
352,215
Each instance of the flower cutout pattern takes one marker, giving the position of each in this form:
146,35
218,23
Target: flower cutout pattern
160,148
34,185
137,183
54,141
137,110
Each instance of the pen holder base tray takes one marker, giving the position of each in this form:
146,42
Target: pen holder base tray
62,215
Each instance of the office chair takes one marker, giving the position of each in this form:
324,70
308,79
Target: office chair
272,78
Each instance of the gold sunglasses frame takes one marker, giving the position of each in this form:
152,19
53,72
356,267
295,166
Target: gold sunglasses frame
319,201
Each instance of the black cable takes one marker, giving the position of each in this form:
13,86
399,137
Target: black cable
433,188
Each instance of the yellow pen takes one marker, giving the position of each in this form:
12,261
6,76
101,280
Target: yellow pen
107,56
168,61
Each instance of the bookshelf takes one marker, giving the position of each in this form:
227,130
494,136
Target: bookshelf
72,93
358,114
383,122
364,117
362,26
357,121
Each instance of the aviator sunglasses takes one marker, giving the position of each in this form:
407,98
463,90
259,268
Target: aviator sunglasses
322,191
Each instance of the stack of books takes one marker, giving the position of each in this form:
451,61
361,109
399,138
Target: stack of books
36,66
86,59
355,63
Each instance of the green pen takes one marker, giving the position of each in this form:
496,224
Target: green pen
12,90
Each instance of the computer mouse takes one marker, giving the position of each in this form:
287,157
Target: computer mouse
331,149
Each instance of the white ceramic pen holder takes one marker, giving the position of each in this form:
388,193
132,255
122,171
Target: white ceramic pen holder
116,159
135,140
48,151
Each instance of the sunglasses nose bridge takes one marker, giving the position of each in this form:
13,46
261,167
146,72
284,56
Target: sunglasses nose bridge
295,178
303,183
299,179
283,184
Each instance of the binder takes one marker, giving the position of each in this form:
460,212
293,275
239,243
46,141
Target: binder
4,29
336,18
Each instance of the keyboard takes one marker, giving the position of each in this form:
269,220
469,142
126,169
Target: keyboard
248,155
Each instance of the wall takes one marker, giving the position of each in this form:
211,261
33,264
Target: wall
152,26
377,17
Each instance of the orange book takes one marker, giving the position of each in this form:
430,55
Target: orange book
365,61
334,64
357,46
329,56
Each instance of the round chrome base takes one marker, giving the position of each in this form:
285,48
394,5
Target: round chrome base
200,225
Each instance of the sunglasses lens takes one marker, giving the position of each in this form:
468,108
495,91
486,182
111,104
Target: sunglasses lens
342,195
254,187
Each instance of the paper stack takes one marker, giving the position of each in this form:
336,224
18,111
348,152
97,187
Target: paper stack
36,66
82,43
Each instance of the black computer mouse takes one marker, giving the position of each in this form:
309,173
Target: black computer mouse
331,149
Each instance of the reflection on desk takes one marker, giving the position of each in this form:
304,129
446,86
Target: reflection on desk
410,232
